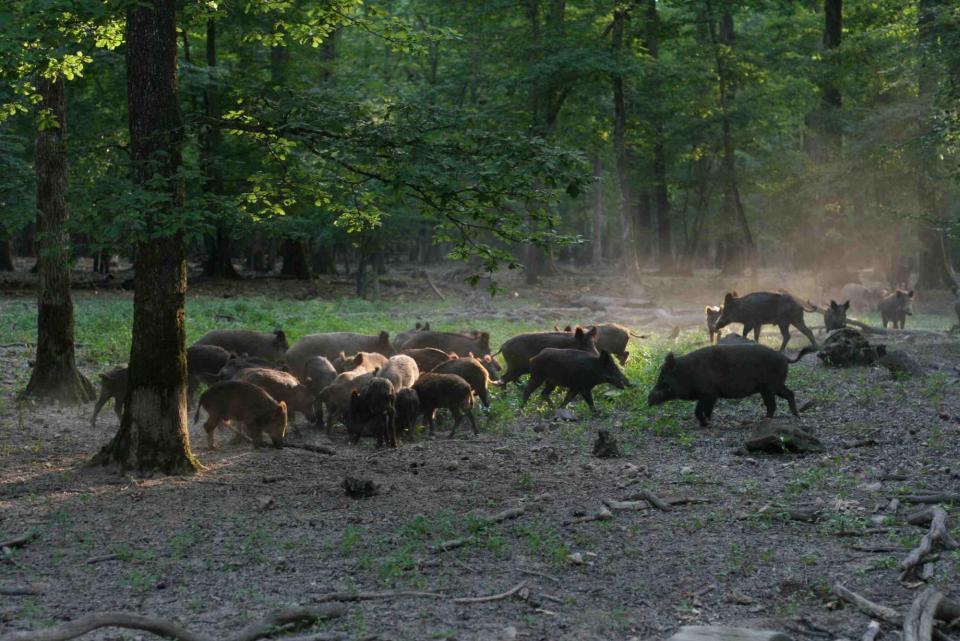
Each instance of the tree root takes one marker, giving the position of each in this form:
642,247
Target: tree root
161,627
349,597
320,449
499,517
487,599
872,631
918,624
863,604
937,538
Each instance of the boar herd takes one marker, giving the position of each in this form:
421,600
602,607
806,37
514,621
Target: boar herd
383,389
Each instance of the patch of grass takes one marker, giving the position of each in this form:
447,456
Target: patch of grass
543,541
140,581
352,536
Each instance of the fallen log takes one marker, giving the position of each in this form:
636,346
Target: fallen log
918,624
873,629
938,538
863,604
493,597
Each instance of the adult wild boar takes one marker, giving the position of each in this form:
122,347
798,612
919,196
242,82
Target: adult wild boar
330,345
725,371
611,337
248,404
427,358
204,363
713,315
459,344
401,370
400,340
765,308
408,410
895,307
237,363
472,371
574,369
113,384
835,316
282,386
267,345
437,391
373,413
318,372
363,361
518,350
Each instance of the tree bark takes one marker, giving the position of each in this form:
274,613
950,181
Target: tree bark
596,219
632,234
661,193
153,432
55,375
296,261
6,254
218,263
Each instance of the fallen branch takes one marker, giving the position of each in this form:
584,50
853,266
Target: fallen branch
918,624
350,597
872,631
627,505
943,497
499,517
603,514
540,574
169,629
320,449
937,538
863,604
19,541
433,286
20,590
655,501
487,599
101,558
453,544
868,530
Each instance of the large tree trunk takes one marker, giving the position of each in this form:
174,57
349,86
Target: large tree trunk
55,375
218,263
632,234
661,193
6,254
153,430
296,261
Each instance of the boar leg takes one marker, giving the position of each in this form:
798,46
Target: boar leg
806,332
787,394
547,391
704,409
588,397
622,357
769,401
213,421
785,333
531,387
457,417
104,397
473,422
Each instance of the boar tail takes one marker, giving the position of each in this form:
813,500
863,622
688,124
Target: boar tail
809,349
196,414
637,335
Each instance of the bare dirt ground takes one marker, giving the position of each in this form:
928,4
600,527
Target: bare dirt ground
264,529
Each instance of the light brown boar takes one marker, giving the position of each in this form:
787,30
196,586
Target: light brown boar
248,404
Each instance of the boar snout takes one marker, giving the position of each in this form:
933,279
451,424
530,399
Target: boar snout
656,397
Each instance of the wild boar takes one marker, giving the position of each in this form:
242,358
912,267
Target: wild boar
427,358
459,344
268,345
734,339
363,361
449,391
765,308
237,363
725,371
204,363
331,344
282,386
400,340
835,316
518,350
373,412
862,298
490,364
472,371
612,338
320,372
574,369
895,307
113,384
408,409
401,370
336,396
713,315
247,403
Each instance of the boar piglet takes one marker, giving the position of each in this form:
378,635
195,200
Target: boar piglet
835,316
248,404
472,371
725,371
363,361
204,363
408,409
330,345
459,344
268,345
400,340
113,384
373,413
895,307
401,370
427,358
336,396
612,338
449,391
574,369
713,315
765,308
282,386
518,350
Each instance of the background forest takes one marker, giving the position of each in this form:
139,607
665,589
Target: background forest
342,135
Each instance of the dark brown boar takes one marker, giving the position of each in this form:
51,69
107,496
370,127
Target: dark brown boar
320,372
518,350
490,364
400,340
363,361
247,403
331,344
459,344
725,371
336,396
713,315
268,345
401,370
408,409
204,363
373,412
895,307
282,386
437,391
427,358
765,308
611,337
472,371
574,369
113,384
835,316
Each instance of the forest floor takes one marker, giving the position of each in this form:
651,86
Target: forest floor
264,529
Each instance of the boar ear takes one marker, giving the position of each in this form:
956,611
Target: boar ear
568,328
282,408
728,298
556,328
417,325
384,338
669,362
593,332
605,357
579,332
280,336
833,304
358,358
846,304
484,340
910,293
354,393
426,326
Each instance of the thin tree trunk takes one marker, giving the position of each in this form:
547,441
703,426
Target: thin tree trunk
6,254
596,220
296,261
661,193
631,233
153,430
55,375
